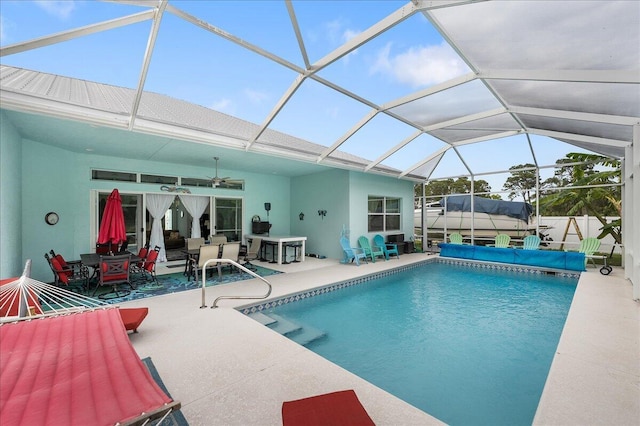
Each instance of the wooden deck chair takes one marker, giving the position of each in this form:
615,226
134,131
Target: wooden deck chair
389,249
352,254
370,251
531,242
455,238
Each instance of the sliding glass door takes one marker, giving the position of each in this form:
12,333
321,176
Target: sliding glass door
132,210
228,218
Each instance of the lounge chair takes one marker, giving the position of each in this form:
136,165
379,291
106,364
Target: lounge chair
388,248
455,238
501,241
371,251
352,254
531,242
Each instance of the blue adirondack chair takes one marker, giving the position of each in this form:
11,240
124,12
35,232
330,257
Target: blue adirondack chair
389,249
370,251
352,254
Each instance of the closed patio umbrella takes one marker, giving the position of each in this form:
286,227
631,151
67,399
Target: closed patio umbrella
112,229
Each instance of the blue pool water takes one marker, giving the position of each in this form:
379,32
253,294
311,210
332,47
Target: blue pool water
469,346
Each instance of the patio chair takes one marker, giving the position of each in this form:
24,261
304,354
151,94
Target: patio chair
253,253
75,269
455,238
531,242
207,252
217,239
501,241
194,243
142,254
114,271
371,251
67,276
388,248
230,251
352,254
148,269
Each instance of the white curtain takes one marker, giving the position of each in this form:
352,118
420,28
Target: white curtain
195,205
158,204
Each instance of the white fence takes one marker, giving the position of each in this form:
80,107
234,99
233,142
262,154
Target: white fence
555,227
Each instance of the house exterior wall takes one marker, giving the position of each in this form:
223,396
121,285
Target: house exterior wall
320,191
344,195
10,200
57,180
38,178
362,186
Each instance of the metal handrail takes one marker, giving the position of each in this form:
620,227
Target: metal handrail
237,265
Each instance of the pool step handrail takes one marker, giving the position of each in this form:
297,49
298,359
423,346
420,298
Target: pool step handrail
242,268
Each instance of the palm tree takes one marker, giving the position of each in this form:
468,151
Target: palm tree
596,192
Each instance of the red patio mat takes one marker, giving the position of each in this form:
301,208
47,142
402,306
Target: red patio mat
340,408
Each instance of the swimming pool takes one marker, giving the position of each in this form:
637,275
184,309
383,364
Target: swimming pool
464,344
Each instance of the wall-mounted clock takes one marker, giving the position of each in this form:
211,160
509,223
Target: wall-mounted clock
51,218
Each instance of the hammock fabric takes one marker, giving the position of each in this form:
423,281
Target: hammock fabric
76,369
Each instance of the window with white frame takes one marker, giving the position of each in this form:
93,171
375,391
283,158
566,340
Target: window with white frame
383,214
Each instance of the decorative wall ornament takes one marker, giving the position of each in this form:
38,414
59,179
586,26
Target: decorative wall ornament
174,188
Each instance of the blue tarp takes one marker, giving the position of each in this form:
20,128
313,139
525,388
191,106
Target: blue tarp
517,209
572,261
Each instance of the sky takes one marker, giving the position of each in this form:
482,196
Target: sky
195,65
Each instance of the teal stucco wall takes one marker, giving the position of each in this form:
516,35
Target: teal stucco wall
10,200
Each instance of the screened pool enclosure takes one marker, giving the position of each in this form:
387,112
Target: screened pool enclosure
414,90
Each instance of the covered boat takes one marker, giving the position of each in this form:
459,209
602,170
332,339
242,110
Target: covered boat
489,217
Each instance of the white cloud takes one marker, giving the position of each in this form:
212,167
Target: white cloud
255,96
420,66
222,105
59,8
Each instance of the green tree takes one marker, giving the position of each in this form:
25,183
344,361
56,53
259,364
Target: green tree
521,183
597,201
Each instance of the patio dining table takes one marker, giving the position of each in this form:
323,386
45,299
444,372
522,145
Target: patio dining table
92,260
281,241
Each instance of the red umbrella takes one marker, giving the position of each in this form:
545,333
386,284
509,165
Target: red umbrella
112,229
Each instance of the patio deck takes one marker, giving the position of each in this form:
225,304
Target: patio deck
226,369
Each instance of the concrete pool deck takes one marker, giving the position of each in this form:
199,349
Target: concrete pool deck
227,369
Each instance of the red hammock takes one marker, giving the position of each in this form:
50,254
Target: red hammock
76,369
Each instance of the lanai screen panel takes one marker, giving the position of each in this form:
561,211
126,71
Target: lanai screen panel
545,35
599,98
478,128
466,99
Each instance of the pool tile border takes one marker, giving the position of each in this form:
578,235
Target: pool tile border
294,297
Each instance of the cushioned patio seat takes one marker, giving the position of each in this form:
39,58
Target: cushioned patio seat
133,317
336,409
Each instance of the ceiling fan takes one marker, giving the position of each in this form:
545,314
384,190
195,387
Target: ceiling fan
216,181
